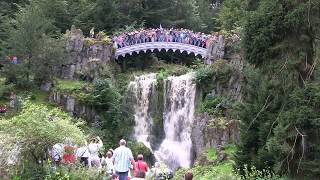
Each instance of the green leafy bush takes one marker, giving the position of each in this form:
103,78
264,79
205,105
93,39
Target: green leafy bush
204,75
220,71
214,106
103,95
36,129
74,173
140,148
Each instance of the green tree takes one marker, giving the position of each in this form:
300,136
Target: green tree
232,14
279,124
37,128
32,41
7,11
106,15
57,12
208,11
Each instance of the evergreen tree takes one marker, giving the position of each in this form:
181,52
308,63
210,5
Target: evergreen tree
32,41
279,121
7,11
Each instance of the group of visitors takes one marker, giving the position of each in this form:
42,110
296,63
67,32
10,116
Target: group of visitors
164,35
116,164
67,153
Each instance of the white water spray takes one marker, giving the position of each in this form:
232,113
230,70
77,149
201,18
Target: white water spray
144,89
175,150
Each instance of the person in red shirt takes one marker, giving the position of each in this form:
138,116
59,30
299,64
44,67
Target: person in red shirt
140,166
69,156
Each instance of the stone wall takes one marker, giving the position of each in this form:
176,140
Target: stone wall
86,57
74,107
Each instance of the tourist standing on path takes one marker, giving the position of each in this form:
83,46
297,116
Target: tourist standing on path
83,154
122,159
57,153
107,162
94,147
140,166
69,156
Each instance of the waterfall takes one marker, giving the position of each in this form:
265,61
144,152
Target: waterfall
179,106
175,150
143,88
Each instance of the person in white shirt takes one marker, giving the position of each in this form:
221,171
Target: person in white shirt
57,153
107,162
83,154
122,159
93,148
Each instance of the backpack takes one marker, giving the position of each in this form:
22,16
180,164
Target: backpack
140,172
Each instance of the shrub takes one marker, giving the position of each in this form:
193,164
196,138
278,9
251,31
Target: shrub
214,106
204,75
140,148
36,129
74,173
220,71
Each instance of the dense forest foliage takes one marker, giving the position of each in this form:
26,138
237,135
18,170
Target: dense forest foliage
280,46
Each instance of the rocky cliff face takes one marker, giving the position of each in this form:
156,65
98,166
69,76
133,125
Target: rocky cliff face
86,57
216,50
74,107
208,132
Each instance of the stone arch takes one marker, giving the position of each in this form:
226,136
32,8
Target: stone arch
159,46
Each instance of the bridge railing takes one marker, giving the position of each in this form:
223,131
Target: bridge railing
174,46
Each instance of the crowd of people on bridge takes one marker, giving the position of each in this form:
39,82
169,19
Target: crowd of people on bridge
116,164
184,36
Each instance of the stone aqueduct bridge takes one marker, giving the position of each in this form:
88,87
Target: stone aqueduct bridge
85,59
213,51
174,46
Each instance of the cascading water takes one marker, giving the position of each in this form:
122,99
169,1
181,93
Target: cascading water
144,90
175,150
179,104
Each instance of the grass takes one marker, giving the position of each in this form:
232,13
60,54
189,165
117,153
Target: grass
69,86
212,154
36,96
230,149
222,170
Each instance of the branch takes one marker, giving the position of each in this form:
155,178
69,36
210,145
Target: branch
265,106
291,152
275,121
310,73
303,148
